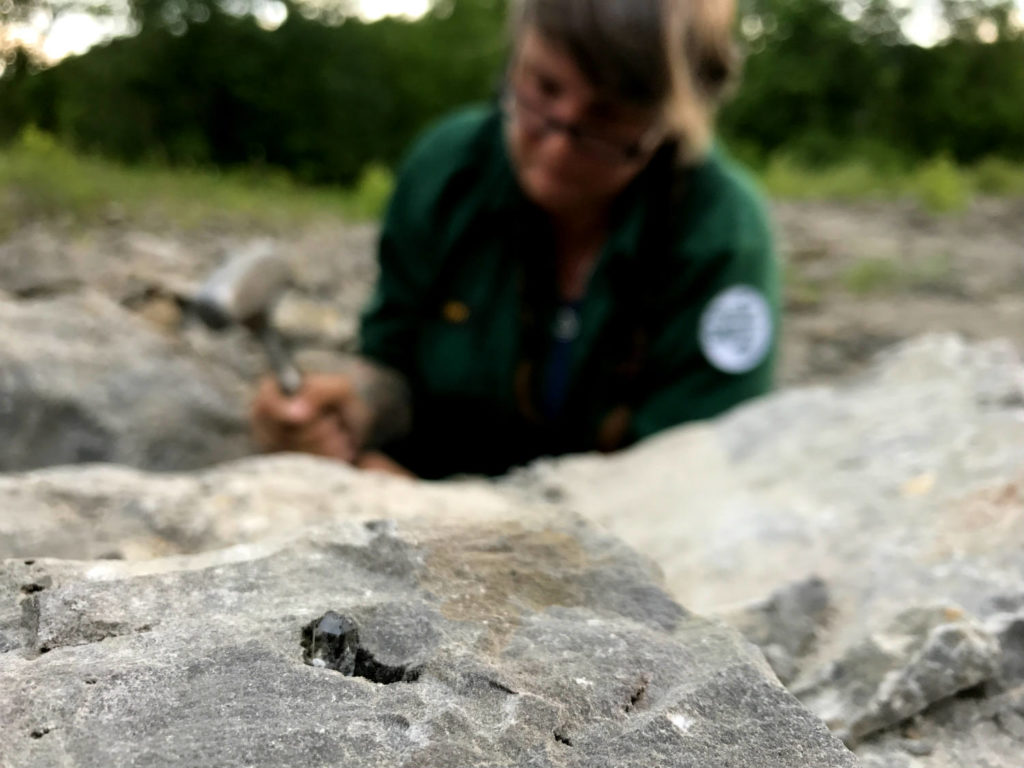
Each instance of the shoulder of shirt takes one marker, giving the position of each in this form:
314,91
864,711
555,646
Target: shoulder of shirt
456,136
721,209
450,161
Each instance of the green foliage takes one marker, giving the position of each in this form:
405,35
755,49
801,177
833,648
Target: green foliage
818,82
877,274
871,276
39,178
834,102
941,187
44,177
999,177
371,192
200,86
786,176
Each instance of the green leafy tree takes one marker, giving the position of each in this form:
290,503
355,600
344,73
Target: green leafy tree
323,95
202,84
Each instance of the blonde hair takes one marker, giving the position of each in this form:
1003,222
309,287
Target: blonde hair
677,56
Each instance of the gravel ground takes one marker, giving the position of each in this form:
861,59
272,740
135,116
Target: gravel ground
859,276
862,276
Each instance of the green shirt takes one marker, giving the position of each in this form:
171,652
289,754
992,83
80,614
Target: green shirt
679,321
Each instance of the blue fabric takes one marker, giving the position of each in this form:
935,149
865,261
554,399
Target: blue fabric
564,330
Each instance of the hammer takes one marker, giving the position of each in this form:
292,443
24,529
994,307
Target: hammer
244,291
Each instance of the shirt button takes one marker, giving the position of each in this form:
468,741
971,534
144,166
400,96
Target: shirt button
455,312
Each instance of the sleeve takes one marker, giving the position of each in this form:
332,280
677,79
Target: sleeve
411,248
389,320
718,345
427,206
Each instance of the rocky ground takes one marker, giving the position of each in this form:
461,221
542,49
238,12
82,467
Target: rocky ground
864,530
866,537
863,276
860,276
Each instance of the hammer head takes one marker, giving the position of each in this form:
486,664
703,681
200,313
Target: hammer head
244,289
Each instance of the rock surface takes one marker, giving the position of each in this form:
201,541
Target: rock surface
786,624
936,273
82,380
900,490
523,640
114,512
825,523
924,656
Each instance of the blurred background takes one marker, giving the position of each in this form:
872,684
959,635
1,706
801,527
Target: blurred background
141,141
325,89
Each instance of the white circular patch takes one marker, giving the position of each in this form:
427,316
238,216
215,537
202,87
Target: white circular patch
736,329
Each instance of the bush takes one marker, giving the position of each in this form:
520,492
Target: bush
996,176
787,177
940,186
370,195
41,179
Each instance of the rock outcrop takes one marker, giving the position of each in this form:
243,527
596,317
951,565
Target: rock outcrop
82,380
827,522
867,537
505,640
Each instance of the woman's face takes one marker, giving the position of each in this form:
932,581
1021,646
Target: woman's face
573,150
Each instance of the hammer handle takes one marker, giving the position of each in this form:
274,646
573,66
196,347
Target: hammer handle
288,376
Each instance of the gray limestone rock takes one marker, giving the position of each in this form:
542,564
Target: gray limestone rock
535,640
896,490
968,730
1009,629
924,656
785,625
82,380
901,488
114,512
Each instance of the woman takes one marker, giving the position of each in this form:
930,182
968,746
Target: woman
574,269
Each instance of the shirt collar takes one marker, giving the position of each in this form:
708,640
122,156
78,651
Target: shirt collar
640,207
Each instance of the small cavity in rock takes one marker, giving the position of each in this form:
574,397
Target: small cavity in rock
332,641
636,697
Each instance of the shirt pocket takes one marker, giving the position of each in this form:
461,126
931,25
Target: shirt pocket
461,352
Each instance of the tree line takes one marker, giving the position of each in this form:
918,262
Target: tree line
324,95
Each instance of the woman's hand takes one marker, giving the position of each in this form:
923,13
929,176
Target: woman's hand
326,417
375,461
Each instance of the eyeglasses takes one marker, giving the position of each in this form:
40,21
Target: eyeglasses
531,113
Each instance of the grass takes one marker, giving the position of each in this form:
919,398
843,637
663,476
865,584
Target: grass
41,179
939,185
873,275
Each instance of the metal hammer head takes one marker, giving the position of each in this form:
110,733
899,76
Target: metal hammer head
244,289
243,292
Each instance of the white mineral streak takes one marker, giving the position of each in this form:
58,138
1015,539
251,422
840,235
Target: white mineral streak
683,723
